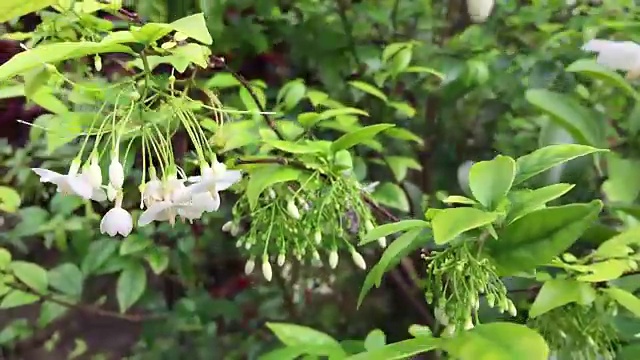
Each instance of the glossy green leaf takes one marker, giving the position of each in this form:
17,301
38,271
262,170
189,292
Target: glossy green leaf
359,136
593,69
399,350
12,9
32,275
134,243
9,199
260,179
97,255
294,335
399,165
498,341
391,195
526,201
67,278
569,114
392,255
17,298
449,223
617,246
369,89
291,147
375,340
130,286
539,236
558,292
193,26
53,53
332,113
291,94
456,199
158,259
490,181
392,228
547,157
607,270
5,258
624,298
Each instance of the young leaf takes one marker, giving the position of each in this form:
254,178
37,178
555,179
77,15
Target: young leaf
131,284
391,195
490,181
539,236
158,259
449,223
359,136
391,228
262,178
526,201
67,278
607,270
375,340
17,298
369,89
548,157
595,70
134,243
399,350
558,292
291,94
568,113
399,165
392,255
193,26
293,335
624,298
12,9
616,246
5,258
32,275
332,113
9,199
294,148
498,341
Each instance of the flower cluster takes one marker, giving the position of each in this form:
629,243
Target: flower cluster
163,197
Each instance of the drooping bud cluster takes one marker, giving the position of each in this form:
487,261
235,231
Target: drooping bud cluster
456,280
311,221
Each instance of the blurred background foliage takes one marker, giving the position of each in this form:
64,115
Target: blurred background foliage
461,92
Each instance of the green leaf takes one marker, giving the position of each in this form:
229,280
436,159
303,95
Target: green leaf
53,53
134,243
158,259
617,246
375,340
193,26
498,341
308,119
404,134
9,199
332,113
67,278
607,270
291,94
399,350
13,91
624,298
539,236
32,275
222,81
359,136
369,89
558,292
399,165
17,298
568,113
99,252
293,335
131,284
447,224
392,228
548,157
391,195
490,181
5,258
392,255
266,176
526,201
295,147
456,199
617,188
592,68
12,9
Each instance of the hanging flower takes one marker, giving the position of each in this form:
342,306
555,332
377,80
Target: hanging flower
70,184
117,220
479,10
116,173
617,55
213,179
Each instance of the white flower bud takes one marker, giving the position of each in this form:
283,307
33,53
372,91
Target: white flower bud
116,173
75,166
441,316
266,268
512,309
317,237
382,242
449,330
333,259
281,259
479,10
368,225
358,260
292,209
316,255
235,229
111,192
227,226
249,266
271,193
95,173
468,325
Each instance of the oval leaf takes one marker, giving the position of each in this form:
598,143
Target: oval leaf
359,136
369,89
400,350
490,181
625,298
558,292
449,223
293,335
131,284
592,68
266,176
32,275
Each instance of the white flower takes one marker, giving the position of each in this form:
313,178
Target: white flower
333,259
117,220
214,179
479,10
266,268
152,192
617,55
116,173
72,183
358,260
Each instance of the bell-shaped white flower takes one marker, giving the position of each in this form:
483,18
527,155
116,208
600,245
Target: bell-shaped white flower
479,10
152,192
617,55
214,179
70,184
116,173
117,220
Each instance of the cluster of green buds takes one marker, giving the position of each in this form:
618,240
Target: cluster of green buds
311,222
576,331
456,279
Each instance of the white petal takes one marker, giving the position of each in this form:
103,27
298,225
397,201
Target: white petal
155,212
229,178
117,221
80,185
98,195
46,175
207,201
618,55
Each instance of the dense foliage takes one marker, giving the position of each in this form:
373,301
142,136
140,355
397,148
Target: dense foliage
241,179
